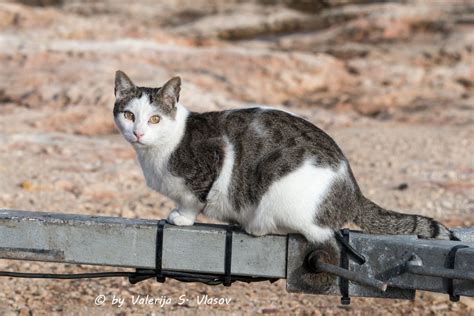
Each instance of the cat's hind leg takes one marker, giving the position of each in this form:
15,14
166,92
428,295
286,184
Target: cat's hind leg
312,232
255,228
316,234
291,204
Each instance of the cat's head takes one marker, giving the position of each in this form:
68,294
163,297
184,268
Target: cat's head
145,116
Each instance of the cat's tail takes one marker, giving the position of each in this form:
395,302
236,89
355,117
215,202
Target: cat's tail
377,220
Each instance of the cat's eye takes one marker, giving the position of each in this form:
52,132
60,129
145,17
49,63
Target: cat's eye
155,119
129,116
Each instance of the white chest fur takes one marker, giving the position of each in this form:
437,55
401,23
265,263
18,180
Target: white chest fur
154,161
157,175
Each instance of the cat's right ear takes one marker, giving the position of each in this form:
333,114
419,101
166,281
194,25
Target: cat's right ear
169,93
123,84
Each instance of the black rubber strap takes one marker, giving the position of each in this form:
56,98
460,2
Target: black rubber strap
344,283
159,251
228,256
356,256
450,264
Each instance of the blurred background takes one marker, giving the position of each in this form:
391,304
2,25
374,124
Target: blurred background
391,81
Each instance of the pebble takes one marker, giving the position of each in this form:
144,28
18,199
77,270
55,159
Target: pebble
446,204
24,311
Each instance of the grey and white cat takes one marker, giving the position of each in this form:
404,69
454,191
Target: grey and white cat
270,171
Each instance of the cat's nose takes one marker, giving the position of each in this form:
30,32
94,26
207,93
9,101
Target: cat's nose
138,134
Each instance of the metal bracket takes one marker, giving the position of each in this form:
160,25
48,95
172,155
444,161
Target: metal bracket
401,264
315,269
464,262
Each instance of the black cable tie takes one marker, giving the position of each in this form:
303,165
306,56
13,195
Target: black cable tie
344,283
228,256
209,279
346,249
144,274
159,251
450,264
356,256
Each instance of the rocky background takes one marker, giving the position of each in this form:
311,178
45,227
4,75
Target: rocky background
391,81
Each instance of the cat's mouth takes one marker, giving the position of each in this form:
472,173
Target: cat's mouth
139,143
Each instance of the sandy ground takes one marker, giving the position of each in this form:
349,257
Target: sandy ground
392,83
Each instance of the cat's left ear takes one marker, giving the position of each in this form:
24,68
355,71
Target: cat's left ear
169,93
123,85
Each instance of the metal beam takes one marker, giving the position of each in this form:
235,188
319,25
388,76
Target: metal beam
122,242
200,248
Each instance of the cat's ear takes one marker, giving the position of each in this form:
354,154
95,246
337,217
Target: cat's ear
123,84
169,93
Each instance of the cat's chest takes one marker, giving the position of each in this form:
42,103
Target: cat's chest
158,177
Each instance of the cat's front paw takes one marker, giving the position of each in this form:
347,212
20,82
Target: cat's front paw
176,218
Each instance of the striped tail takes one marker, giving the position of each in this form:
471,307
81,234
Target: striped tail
374,219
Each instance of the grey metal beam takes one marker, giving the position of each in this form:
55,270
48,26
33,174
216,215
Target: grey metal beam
114,241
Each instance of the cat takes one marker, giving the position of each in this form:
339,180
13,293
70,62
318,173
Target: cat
268,170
